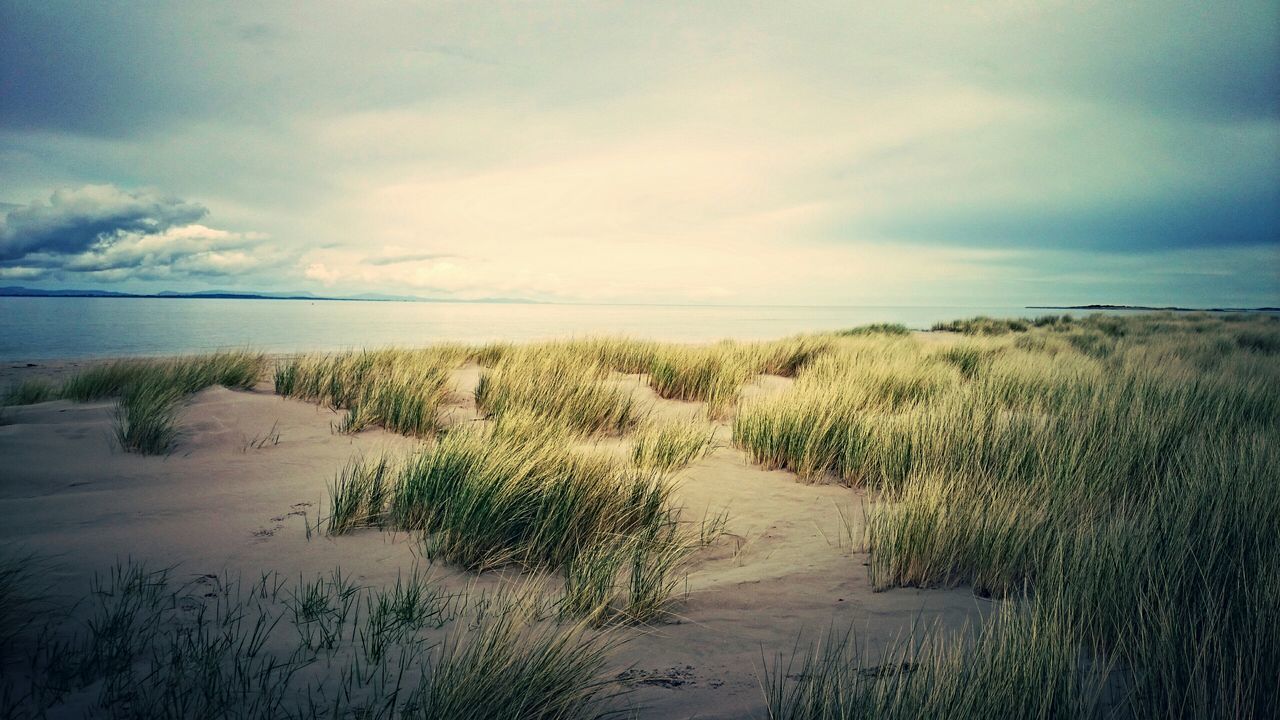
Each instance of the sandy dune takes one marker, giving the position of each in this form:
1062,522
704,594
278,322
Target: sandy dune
226,501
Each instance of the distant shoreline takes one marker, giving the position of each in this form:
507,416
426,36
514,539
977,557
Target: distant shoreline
220,295
18,291
1170,308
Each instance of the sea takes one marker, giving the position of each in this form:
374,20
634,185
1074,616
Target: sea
45,328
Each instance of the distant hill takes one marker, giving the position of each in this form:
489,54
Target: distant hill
18,291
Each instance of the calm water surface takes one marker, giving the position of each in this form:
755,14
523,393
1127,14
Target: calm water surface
47,328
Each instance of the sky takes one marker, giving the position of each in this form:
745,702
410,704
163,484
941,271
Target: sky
801,153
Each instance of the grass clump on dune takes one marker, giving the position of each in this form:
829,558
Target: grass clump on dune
485,499
235,370
827,423
561,386
623,355
401,390
488,502
30,392
670,445
146,419
983,325
508,670
1021,664
786,357
141,645
1116,477
149,392
876,329
708,374
715,374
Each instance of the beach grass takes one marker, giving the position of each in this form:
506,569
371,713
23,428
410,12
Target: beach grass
1025,663
670,445
563,385
401,390
146,418
1114,476
238,370
715,374
149,392
141,644
490,501
876,329
30,392
519,494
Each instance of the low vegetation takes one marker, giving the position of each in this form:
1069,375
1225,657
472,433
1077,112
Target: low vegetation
715,374
670,445
485,499
142,645
1023,664
877,329
30,392
235,370
401,390
146,419
149,392
1117,477
559,384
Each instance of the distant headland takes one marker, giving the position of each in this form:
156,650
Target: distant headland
18,291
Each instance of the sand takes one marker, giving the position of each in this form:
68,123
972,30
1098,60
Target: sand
222,505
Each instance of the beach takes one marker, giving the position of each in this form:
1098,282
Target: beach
222,507
731,530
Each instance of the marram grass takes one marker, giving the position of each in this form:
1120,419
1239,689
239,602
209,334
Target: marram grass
185,375
1023,663
485,499
149,392
560,386
146,418
670,445
141,645
1114,477
30,392
401,390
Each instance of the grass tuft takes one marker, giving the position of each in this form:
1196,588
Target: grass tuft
876,329
30,392
400,390
146,419
670,446
559,386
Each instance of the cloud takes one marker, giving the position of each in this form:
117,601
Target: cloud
821,152
407,258
75,220
427,272
104,233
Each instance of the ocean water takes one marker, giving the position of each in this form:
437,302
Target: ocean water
66,328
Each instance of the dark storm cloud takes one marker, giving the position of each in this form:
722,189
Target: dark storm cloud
1189,59
75,220
107,234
